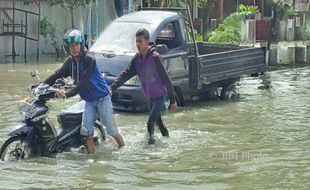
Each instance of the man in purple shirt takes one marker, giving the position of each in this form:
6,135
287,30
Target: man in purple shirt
155,82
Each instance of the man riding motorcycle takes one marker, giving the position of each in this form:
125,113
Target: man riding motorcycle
90,85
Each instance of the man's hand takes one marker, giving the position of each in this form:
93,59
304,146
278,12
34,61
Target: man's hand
173,107
60,94
31,87
110,93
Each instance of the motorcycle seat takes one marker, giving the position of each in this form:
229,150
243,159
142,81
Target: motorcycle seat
72,116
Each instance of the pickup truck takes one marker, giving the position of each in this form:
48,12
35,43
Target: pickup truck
195,68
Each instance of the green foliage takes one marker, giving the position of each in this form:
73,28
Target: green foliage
282,9
306,29
229,32
48,29
253,9
179,3
248,9
69,5
290,11
199,37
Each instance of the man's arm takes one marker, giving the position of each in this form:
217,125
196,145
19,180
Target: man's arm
164,76
84,84
125,76
63,71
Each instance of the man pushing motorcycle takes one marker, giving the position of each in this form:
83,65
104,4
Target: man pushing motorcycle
90,85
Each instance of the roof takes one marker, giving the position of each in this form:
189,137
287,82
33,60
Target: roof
27,1
151,17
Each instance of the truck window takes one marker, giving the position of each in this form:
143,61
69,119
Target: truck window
169,35
167,31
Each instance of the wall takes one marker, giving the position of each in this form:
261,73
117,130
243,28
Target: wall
56,15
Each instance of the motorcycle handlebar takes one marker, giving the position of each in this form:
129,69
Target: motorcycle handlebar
45,92
48,95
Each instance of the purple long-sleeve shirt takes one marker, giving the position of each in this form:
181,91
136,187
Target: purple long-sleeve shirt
154,79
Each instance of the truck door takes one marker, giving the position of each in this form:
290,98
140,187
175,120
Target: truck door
175,60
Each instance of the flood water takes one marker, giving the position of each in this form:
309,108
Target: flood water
260,141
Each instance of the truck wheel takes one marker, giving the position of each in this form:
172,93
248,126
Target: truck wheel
228,92
179,96
178,100
211,94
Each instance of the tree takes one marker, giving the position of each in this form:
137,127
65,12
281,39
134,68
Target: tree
48,29
282,9
231,30
69,5
177,3
204,4
305,30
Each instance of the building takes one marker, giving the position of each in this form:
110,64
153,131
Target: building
19,25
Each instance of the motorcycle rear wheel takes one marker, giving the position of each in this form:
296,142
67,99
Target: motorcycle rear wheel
14,149
99,134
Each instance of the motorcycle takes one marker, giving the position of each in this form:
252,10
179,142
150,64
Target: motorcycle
36,136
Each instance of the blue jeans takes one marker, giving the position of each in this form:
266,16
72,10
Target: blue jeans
104,109
156,106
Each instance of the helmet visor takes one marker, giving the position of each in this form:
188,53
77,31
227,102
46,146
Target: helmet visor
70,40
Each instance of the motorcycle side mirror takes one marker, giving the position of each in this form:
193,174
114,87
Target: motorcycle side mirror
34,74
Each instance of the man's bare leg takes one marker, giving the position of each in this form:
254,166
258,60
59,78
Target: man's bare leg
90,145
119,139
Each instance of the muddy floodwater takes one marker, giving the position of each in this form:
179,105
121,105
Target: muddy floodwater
260,141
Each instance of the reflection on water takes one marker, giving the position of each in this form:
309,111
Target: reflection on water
260,141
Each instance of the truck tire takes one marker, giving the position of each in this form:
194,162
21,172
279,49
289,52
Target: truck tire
211,93
228,92
179,96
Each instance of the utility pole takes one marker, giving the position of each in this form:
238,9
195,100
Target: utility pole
38,42
97,19
13,34
88,25
195,9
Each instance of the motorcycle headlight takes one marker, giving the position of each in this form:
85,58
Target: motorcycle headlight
27,110
134,81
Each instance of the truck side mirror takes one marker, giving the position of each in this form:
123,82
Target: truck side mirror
162,48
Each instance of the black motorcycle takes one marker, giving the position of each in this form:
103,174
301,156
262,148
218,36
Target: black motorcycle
36,136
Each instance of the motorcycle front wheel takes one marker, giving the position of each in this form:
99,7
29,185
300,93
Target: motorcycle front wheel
15,148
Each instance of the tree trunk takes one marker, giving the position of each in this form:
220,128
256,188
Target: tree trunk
72,18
